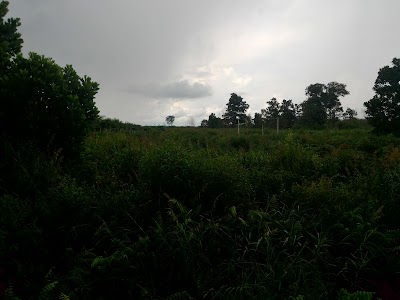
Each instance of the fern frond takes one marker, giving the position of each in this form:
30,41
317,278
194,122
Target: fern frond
48,291
100,261
49,274
180,296
9,293
359,295
181,208
64,297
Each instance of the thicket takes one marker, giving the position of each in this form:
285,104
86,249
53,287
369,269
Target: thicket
204,214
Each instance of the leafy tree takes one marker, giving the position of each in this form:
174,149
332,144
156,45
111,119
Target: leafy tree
298,111
41,102
47,104
204,123
383,110
271,113
349,114
170,120
313,113
236,107
285,111
272,110
10,38
328,95
332,103
322,103
287,114
258,120
214,121
248,121
84,89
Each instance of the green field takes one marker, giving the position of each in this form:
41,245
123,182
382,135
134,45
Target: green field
197,213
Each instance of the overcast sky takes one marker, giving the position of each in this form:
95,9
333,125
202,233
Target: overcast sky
184,58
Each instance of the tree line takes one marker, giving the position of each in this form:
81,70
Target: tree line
321,107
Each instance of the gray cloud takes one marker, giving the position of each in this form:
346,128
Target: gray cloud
276,48
175,90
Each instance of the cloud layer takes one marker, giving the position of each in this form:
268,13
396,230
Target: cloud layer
195,53
175,90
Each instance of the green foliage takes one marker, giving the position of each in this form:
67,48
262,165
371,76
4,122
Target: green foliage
41,102
322,104
258,120
235,110
48,292
204,123
383,110
349,114
180,296
287,116
240,143
170,120
10,38
47,104
9,293
359,295
203,214
102,124
285,111
214,121
272,111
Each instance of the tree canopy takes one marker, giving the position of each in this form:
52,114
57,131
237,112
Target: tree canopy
322,103
258,120
272,110
41,102
214,121
285,111
383,110
236,107
170,120
10,38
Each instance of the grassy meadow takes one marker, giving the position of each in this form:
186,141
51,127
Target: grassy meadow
199,213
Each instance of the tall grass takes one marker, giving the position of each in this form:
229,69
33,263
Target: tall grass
190,213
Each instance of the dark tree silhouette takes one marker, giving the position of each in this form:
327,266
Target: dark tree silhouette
383,110
170,120
236,107
41,102
214,121
322,103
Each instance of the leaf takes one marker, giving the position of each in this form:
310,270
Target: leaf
233,211
48,290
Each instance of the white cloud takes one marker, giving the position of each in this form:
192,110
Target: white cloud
215,73
242,81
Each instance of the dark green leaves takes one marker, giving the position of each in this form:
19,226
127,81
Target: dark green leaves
46,104
383,110
322,103
236,107
10,38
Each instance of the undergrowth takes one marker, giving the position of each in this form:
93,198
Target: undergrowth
203,214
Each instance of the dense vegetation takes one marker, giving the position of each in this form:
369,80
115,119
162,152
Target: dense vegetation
205,213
